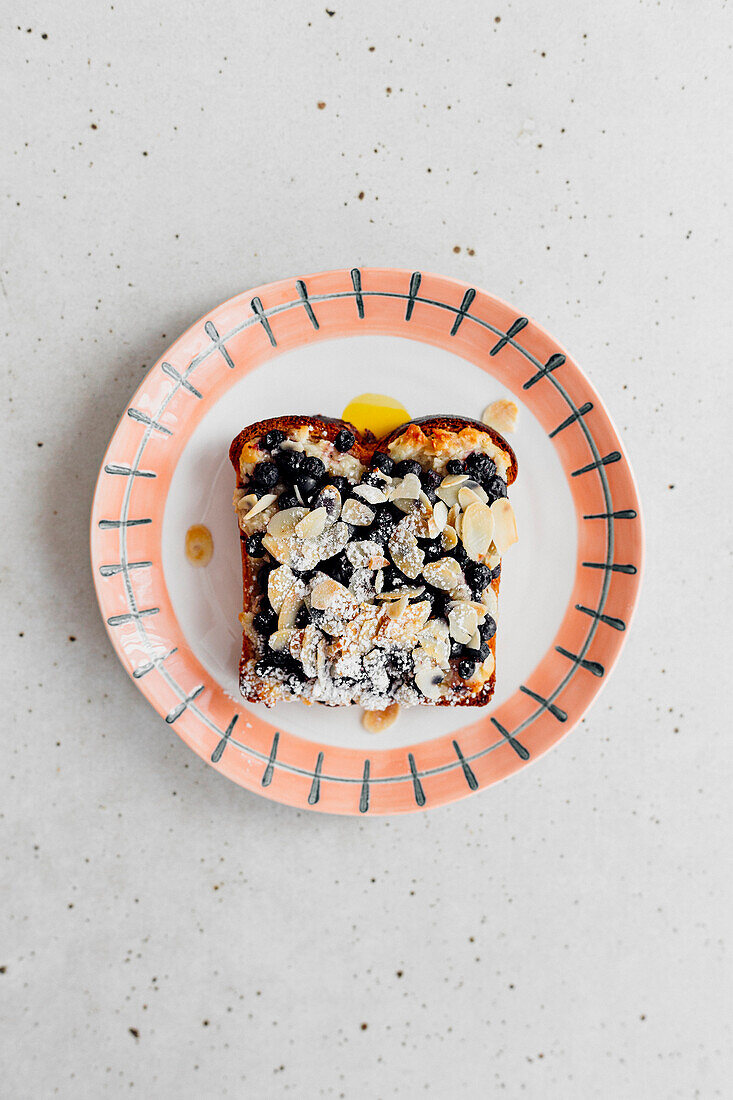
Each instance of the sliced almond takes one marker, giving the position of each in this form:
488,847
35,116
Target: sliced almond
405,552
462,621
440,515
311,638
281,548
453,481
505,525
397,607
475,642
469,495
429,681
283,523
435,640
370,493
480,611
502,416
477,530
280,640
326,593
358,515
460,592
448,538
490,601
366,554
377,721
443,574
262,503
290,607
398,593
279,583
493,559
487,666
408,488
312,525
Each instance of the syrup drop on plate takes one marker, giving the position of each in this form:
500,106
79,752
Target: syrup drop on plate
199,545
375,412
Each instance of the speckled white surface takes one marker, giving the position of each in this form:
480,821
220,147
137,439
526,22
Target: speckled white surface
166,934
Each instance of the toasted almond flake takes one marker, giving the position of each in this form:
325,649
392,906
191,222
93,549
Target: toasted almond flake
405,552
505,525
477,530
371,494
398,593
312,525
366,554
262,503
462,621
502,416
435,640
326,592
443,574
244,502
480,611
448,538
490,601
279,583
409,488
428,681
283,523
281,548
488,665
460,592
440,514
311,638
280,640
475,642
377,721
453,480
468,496
321,661
358,515
290,606
396,608
493,559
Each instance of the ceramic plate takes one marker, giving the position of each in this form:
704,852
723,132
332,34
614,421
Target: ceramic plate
310,345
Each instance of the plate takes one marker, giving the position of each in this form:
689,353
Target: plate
569,587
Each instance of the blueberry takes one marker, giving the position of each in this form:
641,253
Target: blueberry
313,467
478,576
339,568
400,664
383,462
431,495
342,484
496,572
288,500
272,439
495,487
289,463
371,477
466,669
282,665
456,649
394,578
433,549
265,621
383,527
254,545
487,629
266,474
307,485
455,466
438,601
460,554
407,466
480,466
479,654
344,441
302,618
430,479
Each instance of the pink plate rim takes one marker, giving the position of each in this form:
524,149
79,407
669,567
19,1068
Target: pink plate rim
132,487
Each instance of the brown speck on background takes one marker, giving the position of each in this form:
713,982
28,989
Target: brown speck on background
400,973
364,1027
39,444
388,91
372,49
360,195
321,105
497,19
329,12
3,969
134,1032
93,126
456,248
44,36
72,637
471,251
145,152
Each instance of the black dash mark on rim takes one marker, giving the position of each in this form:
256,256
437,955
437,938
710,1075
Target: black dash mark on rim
258,308
415,280
142,670
625,513
303,293
552,364
416,784
591,666
267,777
470,777
364,799
112,570
630,569
607,460
126,471
111,524
468,297
577,415
143,418
315,791
178,711
173,373
556,712
131,616
218,751
211,332
518,747
356,282
511,332
609,620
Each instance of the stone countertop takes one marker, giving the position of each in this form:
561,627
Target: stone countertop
165,933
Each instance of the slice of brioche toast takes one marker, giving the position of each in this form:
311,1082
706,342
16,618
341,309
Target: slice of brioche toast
371,567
